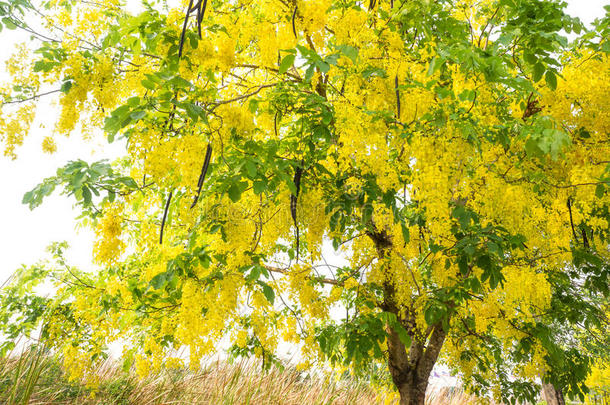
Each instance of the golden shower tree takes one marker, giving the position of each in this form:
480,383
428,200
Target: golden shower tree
454,152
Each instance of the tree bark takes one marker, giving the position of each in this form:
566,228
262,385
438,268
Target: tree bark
552,395
411,370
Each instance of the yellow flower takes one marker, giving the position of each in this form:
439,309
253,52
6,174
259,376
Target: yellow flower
48,145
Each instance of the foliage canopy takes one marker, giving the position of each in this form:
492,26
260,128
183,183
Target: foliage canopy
455,153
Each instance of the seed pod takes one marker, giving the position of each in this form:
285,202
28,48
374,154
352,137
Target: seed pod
204,170
293,203
169,199
294,16
397,98
293,198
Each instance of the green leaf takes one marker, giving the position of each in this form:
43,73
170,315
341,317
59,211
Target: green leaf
600,190
8,23
128,181
538,71
159,281
34,197
435,65
267,291
530,57
234,192
86,192
434,313
462,215
349,51
251,169
131,102
179,82
484,262
136,115
78,179
253,105
43,66
259,186
66,86
463,265
552,142
323,66
372,71
148,84
495,277
551,79
405,233
332,59
287,63
291,186
255,273
392,321
309,73
193,111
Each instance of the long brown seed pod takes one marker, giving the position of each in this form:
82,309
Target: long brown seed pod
293,198
183,34
585,240
293,203
572,221
294,17
204,170
201,6
169,199
397,97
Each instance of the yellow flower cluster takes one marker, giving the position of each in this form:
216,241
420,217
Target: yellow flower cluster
598,382
526,290
109,245
14,128
48,145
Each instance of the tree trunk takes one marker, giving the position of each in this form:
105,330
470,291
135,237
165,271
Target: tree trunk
552,395
412,396
411,370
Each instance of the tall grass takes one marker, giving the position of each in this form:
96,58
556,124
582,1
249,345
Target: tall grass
36,377
449,396
19,375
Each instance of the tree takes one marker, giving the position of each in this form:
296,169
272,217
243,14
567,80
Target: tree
468,196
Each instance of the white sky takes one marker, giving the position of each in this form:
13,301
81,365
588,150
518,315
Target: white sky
24,234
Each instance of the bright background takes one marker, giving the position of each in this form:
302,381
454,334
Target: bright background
25,234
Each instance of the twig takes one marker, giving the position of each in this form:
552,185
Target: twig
34,97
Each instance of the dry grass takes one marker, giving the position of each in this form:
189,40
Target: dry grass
245,383
449,396
34,379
